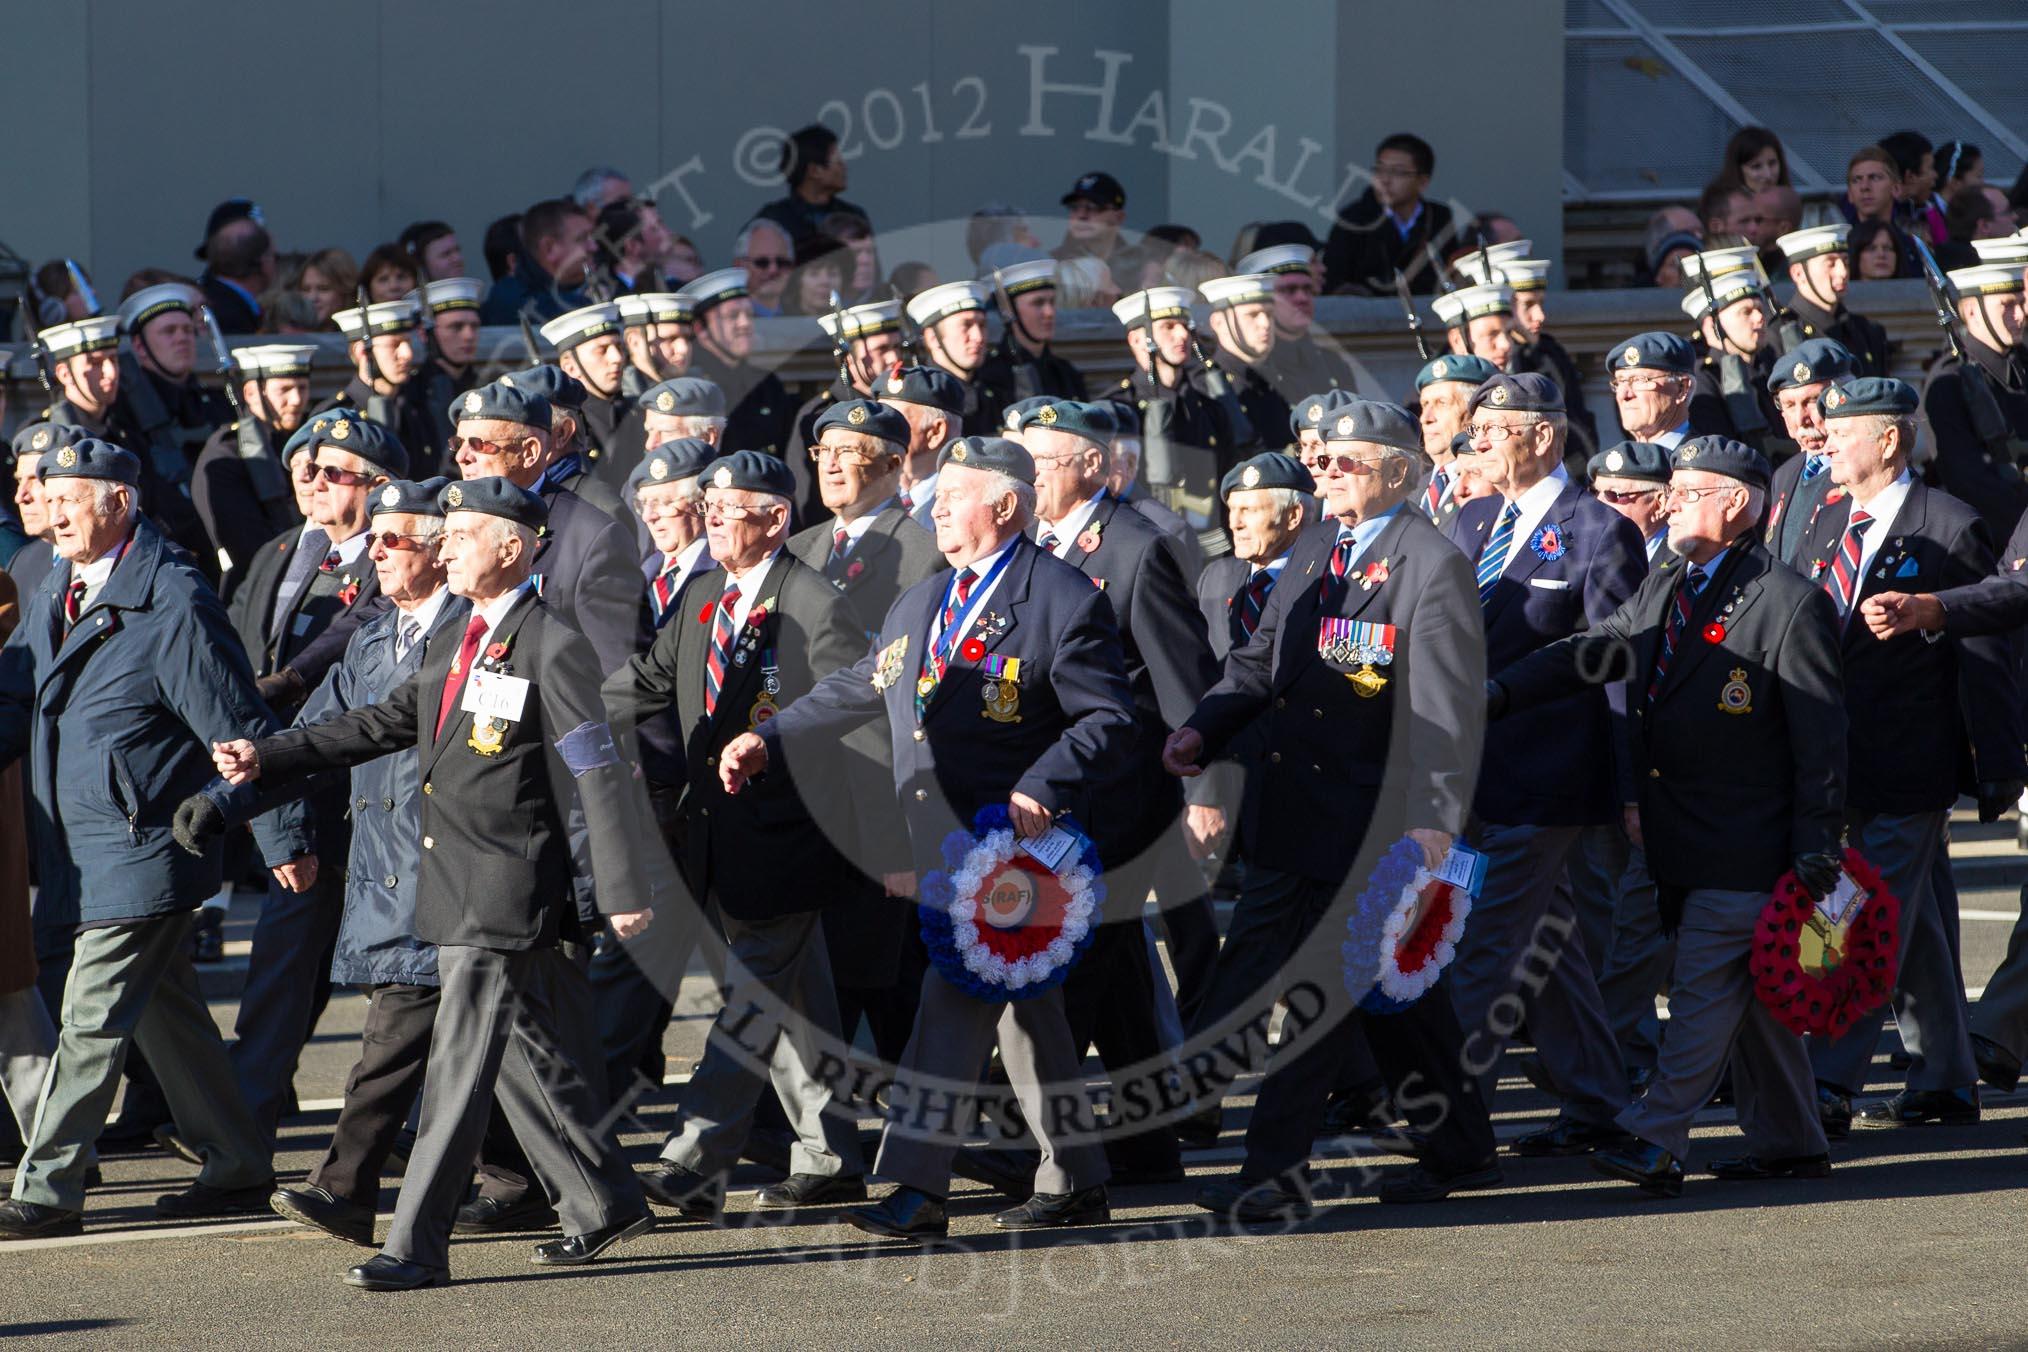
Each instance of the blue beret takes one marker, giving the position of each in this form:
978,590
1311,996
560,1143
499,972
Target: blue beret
42,437
90,458
1722,455
1463,370
1094,422
1461,442
501,402
354,433
931,385
1316,412
1528,393
1380,423
685,397
1642,460
550,381
495,496
673,461
1873,394
865,416
1016,416
753,472
1270,469
304,437
994,455
1655,351
409,497
1813,361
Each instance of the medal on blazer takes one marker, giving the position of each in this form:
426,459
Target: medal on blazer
1002,688
1735,697
749,636
888,671
765,707
489,736
1363,641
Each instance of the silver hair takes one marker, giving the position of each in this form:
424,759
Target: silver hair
744,240
591,184
1024,495
697,424
102,497
498,530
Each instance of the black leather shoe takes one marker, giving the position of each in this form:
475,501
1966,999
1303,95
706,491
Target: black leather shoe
318,1208
167,1138
491,1216
1654,1169
207,936
1569,1138
905,1213
799,1190
1997,1066
1834,1111
1200,1130
124,1138
1354,1111
577,1250
684,1190
1920,1107
1054,1210
1638,1080
1408,1142
1255,1201
1009,1172
1747,1168
201,1199
384,1273
32,1220
1899,1060
1421,1183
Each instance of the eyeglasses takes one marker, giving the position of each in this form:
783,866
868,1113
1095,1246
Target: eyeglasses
1349,464
391,540
648,507
344,478
1497,432
731,512
768,263
844,455
1691,496
1621,497
481,446
1641,384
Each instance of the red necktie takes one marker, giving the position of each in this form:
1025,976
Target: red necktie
1843,581
454,680
73,603
1252,598
721,643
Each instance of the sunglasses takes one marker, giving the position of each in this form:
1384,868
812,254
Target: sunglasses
481,446
344,478
1621,498
1349,464
390,540
765,263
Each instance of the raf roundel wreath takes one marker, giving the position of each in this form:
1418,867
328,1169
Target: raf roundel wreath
1402,933
1819,966
998,924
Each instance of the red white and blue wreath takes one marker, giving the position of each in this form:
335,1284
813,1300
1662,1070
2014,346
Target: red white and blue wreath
1402,933
998,923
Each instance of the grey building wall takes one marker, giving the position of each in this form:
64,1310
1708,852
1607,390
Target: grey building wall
347,119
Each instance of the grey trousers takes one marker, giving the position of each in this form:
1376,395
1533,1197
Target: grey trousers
1638,968
1714,1014
133,984
780,1009
1592,875
1523,953
946,1053
496,1032
2001,1016
27,1038
1929,994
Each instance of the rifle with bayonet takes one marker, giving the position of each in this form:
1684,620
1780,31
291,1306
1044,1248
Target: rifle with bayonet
1408,313
841,346
1982,406
1444,287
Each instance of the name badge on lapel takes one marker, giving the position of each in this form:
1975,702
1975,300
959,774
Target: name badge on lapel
888,671
1002,688
492,694
1363,641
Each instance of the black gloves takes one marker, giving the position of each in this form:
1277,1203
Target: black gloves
1496,699
198,824
1996,796
283,690
1817,874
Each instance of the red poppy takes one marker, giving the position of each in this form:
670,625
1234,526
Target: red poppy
971,650
496,651
1714,633
1088,542
1378,573
854,569
704,615
348,594
758,615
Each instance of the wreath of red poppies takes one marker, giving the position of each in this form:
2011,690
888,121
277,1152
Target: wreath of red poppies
1860,958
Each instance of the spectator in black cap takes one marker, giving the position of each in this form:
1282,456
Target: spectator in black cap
239,264
815,172
1390,225
1098,208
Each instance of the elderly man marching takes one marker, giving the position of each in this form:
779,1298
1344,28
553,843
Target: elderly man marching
1733,668
1004,614
508,726
124,671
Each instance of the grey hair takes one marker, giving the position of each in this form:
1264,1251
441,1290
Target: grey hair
102,496
498,530
591,183
1756,498
1024,495
697,424
744,241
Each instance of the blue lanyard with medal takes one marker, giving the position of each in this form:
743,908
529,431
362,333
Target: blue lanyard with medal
940,651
